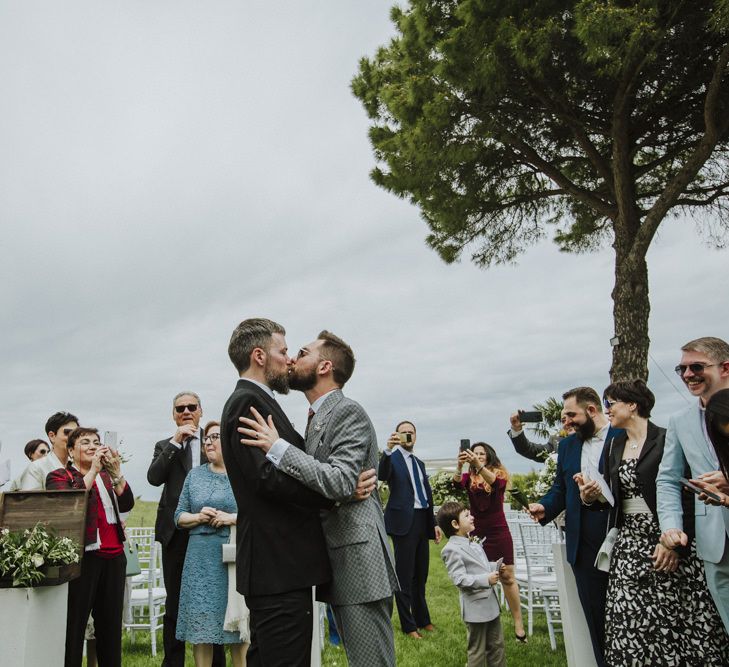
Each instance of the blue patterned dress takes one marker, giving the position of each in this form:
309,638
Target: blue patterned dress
204,589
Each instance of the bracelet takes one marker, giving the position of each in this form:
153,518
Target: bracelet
117,481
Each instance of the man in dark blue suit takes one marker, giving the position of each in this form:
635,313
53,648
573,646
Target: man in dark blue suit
585,527
410,522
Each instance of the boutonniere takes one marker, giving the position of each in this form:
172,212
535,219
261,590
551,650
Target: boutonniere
475,539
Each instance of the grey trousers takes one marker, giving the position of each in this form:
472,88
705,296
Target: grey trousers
486,644
366,632
717,579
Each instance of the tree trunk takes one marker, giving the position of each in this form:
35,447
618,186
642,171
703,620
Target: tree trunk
631,307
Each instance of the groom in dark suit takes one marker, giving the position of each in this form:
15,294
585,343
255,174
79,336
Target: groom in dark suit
281,551
172,460
585,528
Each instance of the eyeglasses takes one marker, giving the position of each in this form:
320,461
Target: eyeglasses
696,369
212,437
179,409
609,404
42,452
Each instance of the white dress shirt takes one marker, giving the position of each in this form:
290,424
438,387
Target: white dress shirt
592,448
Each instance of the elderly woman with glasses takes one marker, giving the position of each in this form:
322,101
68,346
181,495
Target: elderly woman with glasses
659,610
207,508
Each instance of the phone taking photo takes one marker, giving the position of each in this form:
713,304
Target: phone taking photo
530,417
698,490
405,438
465,444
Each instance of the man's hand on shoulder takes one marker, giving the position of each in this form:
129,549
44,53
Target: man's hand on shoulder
258,432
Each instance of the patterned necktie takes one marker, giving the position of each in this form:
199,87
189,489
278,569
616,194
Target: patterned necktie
309,417
418,485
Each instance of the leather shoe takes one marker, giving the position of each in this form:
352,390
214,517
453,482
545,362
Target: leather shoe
414,634
430,627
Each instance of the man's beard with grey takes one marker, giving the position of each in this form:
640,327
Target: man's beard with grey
277,382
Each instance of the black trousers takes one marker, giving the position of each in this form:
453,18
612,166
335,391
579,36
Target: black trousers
592,589
173,560
99,590
281,627
412,560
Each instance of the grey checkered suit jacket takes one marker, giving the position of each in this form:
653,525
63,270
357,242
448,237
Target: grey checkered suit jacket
340,443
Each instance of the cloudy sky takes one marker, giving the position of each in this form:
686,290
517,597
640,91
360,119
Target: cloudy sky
170,168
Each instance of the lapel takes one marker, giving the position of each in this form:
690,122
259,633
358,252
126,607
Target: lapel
692,418
319,421
651,439
468,552
281,421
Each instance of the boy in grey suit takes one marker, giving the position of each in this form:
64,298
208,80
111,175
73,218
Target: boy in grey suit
475,577
340,444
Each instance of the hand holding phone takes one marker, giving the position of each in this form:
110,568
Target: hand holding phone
465,444
533,417
688,484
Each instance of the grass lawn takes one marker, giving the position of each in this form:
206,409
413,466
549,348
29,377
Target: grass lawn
446,647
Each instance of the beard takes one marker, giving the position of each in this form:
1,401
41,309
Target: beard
278,382
302,381
587,430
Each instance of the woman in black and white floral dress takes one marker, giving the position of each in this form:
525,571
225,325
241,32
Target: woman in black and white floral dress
659,610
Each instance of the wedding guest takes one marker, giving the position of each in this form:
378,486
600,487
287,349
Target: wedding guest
469,569
717,426
207,509
58,428
485,484
100,588
36,449
658,610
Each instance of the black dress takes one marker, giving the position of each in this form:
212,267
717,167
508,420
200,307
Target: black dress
657,618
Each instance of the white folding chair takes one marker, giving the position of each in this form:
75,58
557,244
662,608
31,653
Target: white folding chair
147,593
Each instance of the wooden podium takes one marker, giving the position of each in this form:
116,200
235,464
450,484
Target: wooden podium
33,620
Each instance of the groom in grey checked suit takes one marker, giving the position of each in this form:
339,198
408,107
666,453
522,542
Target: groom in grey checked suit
341,443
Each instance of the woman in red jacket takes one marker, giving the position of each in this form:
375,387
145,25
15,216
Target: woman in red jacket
100,588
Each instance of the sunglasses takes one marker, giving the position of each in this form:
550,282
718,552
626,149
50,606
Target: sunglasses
608,403
67,431
212,437
179,409
696,369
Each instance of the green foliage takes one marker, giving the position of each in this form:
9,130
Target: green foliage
445,489
551,409
25,555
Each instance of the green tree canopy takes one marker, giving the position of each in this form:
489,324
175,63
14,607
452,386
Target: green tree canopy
594,120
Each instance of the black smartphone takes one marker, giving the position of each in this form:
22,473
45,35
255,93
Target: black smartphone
530,417
519,497
405,438
465,444
697,489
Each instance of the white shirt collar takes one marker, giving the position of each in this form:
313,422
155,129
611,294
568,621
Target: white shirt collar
319,401
265,387
404,451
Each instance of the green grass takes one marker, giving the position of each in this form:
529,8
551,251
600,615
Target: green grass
446,647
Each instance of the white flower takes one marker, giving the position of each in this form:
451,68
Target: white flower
37,560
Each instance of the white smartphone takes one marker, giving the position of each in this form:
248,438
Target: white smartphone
110,439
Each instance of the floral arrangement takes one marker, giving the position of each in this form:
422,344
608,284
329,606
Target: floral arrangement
24,554
545,479
445,489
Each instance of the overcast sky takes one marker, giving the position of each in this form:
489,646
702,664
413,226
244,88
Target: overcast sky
171,168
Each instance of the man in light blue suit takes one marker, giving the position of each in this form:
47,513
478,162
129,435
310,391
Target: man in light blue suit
704,368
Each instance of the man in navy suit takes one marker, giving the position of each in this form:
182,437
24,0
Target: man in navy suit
585,527
410,522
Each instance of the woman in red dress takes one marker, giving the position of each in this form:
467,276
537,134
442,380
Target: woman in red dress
485,484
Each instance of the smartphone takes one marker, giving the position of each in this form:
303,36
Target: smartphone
110,438
405,438
465,444
499,563
520,498
697,489
530,417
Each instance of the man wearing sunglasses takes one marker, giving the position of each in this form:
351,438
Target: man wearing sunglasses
58,427
704,369
173,458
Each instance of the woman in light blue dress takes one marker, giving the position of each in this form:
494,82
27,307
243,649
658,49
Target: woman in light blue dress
207,508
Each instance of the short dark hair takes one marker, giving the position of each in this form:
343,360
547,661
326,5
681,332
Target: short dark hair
448,512
632,391
247,336
406,421
584,396
78,432
55,421
31,446
717,415
208,426
340,354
